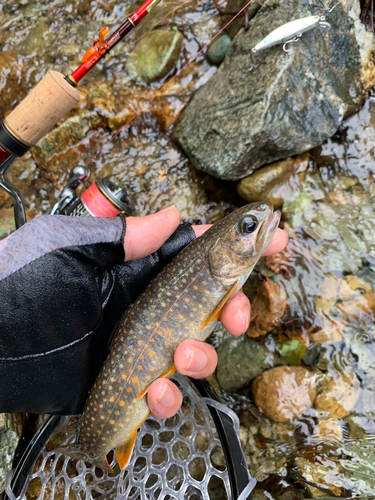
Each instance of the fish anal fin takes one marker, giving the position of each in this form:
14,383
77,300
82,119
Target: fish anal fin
124,451
77,454
167,374
216,312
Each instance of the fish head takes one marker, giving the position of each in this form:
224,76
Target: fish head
242,238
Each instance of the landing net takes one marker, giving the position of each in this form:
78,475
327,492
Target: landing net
174,459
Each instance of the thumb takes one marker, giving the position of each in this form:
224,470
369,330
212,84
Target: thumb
144,235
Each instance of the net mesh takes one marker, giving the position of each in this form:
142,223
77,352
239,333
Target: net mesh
174,459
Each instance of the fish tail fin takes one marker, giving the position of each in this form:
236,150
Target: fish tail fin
125,450
78,454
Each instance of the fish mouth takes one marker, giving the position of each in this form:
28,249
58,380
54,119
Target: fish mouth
273,223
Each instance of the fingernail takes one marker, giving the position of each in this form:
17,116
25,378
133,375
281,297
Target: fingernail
171,207
166,397
197,359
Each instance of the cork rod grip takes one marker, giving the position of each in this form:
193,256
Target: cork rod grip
39,112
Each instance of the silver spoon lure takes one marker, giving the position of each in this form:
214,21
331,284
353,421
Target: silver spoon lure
290,33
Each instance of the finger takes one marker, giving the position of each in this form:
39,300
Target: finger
199,230
235,316
195,359
144,235
164,398
278,242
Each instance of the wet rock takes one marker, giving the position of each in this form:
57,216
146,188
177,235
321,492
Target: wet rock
274,182
290,103
266,309
285,392
359,311
7,224
69,132
100,98
332,332
240,361
11,425
343,234
235,6
155,55
325,473
292,351
340,396
218,48
38,38
328,431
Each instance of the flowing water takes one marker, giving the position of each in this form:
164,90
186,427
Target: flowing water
327,271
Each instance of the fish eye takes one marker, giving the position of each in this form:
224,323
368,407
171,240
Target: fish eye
248,224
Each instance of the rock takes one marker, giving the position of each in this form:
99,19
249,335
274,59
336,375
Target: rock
11,425
69,132
7,224
328,431
292,351
266,309
274,182
340,396
235,6
326,473
285,392
359,311
218,48
155,55
241,120
240,360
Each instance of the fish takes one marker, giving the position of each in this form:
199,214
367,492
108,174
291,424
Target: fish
183,302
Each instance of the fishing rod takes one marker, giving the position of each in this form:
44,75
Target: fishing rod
52,98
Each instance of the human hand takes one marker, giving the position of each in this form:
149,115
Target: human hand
63,288
193,358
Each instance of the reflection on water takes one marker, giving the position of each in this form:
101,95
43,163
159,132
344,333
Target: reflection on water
327,270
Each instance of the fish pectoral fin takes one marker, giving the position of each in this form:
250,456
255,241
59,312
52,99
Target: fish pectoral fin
216,312
124,451
167,374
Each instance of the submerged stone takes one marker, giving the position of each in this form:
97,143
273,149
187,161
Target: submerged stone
274,182
340,396
69,132
11,425
239,22
267,308
218,48
155,55
289,103
285,392
240,360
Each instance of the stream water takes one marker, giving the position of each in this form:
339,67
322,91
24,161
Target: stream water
327,270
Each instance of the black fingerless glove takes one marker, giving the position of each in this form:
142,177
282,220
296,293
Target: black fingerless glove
63,289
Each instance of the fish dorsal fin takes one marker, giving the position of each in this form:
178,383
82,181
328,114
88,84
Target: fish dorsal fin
216,312
167,374
124,451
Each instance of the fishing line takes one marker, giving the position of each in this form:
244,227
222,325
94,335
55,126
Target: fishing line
158,93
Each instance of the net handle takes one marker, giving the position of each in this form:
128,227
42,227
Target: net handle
238,472
16,479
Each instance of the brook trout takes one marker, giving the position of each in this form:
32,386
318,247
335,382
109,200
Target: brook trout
183,302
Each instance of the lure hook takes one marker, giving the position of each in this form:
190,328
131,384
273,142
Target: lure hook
252,63
291,40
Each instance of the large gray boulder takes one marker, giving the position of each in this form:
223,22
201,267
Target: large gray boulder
290,103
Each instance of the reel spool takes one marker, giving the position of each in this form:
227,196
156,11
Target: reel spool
193,455
102,199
